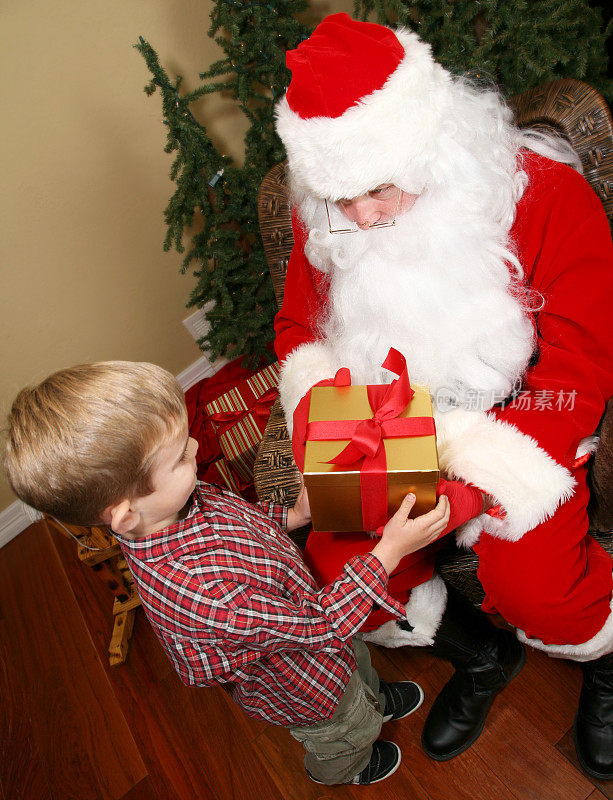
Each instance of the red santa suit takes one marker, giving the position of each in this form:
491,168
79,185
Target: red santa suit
497,281
494,279
539,567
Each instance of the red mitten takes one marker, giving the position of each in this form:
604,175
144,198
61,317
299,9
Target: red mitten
466,502
301,415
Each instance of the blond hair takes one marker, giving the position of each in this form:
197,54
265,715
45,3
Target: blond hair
86,437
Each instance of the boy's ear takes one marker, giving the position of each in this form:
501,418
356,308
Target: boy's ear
121,518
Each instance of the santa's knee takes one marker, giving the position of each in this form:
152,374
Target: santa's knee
552,608
564,626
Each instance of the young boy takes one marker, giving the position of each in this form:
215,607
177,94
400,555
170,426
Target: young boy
225,589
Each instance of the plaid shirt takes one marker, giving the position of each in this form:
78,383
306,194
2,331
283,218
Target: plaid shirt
229,596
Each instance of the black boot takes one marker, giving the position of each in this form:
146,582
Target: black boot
594,720
486,659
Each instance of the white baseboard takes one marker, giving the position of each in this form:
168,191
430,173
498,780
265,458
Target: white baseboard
18,516
14,519
203,368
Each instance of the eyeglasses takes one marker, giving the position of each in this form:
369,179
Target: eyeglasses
355,228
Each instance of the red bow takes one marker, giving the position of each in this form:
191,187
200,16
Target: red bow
260,408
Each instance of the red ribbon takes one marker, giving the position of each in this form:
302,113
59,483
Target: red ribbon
366,436
260,409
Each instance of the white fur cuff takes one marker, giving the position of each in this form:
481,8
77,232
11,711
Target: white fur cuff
468,535
598,645
302,369
505,463
424,612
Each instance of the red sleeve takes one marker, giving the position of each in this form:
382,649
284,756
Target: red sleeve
276,511
564,243
317,620
304,296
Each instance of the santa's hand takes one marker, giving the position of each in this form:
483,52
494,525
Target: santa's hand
298,430
403,535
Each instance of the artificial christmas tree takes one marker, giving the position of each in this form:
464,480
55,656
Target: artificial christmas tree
231,269
517,43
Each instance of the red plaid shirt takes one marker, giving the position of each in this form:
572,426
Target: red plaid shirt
230,598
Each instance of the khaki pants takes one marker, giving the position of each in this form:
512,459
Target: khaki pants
339,748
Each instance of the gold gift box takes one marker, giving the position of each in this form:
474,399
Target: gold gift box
334,490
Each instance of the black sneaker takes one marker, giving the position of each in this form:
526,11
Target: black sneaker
401,698
384,761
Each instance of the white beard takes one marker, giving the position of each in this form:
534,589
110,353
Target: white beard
437,287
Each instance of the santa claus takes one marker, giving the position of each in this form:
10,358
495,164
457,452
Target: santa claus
425,220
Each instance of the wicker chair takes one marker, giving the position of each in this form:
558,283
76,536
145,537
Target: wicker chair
569,107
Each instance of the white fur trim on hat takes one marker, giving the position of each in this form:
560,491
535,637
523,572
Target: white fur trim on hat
505,463
424,611
598,645
302,369
387,136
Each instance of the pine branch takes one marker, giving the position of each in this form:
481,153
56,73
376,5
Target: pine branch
212,194
518,43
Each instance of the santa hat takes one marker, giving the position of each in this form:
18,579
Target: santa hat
364,107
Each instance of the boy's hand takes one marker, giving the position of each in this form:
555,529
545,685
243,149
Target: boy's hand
402,535
300,514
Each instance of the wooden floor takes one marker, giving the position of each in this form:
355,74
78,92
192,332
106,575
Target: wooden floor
72,728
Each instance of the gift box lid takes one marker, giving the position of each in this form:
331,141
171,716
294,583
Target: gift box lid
416,455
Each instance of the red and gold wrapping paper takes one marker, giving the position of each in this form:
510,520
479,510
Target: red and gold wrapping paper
240,416
358,482
221,473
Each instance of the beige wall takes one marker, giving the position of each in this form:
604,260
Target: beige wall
83,275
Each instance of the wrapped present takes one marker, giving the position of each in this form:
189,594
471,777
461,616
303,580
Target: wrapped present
240,415
366,448
220,472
